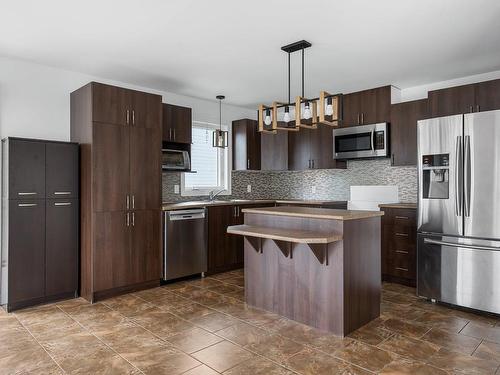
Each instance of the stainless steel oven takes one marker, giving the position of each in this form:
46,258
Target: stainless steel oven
366,141
175,160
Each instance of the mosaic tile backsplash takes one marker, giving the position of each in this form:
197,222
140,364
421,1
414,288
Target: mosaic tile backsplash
330,184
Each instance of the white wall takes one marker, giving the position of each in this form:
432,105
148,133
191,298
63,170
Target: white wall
35,99
420,92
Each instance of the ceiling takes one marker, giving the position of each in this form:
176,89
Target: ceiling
202,48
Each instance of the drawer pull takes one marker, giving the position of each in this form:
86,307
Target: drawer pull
402,234
62,192
27,205
27,193
62,204
401,252
402,217
402,269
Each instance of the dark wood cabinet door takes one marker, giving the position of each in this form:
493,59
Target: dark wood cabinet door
61,170
112,258
404,117
145,246
452,101
145,168
322,149
351,109
26,250
177,124
111,167
383,104
146,110
219,218
487,95
61,246
246,145
274,151
368,106
299,150
111,104
26,169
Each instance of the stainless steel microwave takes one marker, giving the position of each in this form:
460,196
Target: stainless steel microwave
366,141
175,160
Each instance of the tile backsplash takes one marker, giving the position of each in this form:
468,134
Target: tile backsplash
328,184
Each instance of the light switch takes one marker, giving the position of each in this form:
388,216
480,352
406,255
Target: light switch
313,189
249,188
176,189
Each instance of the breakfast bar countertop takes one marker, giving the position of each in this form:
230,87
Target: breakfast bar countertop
314,213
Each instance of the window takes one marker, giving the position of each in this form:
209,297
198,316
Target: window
210,163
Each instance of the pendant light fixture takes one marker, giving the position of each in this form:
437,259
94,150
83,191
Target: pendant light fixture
285,112
219,137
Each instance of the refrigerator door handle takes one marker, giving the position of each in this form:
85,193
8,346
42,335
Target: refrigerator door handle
467,177
466,246
458,177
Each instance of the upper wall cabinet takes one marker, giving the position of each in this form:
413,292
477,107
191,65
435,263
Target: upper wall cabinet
367,107
177,124
274,151
246,145
483,96
404,117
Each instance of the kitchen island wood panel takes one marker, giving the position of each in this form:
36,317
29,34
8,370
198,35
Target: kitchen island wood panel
334,285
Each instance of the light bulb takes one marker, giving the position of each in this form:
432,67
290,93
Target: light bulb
329,110
286,117
267,120
307,112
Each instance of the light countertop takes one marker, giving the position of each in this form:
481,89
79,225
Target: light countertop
314,213
168,206
399,205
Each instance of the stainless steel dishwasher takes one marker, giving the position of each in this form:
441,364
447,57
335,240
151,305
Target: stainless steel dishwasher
184,243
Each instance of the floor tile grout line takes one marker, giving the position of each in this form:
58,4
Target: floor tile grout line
38,342
100,340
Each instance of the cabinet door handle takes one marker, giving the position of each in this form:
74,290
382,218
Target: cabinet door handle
170,134
401,217
133,117
362,118
62,192
478,108
27,193
402,269
133,202
62,204
313,163
402,234
358,118
174,134
401,252
471,108
133,219
392,159
128,219
128,116
128,202
27,204
248,163
239,211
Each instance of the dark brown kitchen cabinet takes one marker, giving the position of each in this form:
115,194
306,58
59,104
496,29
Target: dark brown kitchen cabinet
61,239
26,252
110,104
452,101
120,188
399,237
274,151
40,229
177,124
246,145
61,174
487,95
404,117
312,149
26,175
225,251
367,107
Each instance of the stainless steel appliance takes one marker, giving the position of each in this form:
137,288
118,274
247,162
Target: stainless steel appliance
459,210
366,141
185,243
177,160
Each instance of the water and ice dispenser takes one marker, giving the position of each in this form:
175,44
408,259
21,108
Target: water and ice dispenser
436,175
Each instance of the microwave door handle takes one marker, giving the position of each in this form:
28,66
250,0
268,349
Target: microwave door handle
372,143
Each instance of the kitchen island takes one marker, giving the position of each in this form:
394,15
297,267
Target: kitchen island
320,267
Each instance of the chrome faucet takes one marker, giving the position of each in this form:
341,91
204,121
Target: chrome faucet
213,194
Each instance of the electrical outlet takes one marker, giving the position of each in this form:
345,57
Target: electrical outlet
313,189
176,189
249,188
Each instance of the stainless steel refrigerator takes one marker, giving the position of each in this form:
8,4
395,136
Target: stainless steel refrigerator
458,251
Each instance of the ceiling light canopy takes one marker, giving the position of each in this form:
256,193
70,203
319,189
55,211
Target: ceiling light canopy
303,112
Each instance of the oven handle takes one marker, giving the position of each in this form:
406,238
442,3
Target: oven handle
475,247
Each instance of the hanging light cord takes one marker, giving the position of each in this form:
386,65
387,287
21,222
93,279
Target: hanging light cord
220,114
288,77
302,72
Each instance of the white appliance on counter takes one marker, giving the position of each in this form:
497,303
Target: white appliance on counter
370,196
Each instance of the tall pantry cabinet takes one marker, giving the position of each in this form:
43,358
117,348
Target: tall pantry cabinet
119,132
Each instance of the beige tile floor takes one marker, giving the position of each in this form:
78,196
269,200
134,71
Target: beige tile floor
202,327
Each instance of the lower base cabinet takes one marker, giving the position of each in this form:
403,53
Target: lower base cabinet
225,251
399,238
